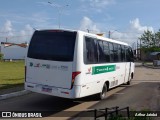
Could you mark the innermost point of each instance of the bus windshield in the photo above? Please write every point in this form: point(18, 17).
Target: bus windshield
point(52, 45)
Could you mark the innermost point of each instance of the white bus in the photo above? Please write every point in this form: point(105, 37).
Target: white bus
point(75, 64)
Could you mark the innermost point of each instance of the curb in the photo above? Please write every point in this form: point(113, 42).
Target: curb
point(138, 65)
point(14, 94)
point(150, 66)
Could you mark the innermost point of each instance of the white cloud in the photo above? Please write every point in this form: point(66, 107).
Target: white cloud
point(132, 34)
point(7, 32)
point(43, 3)
point(37, 20)
point(135, 25)
point(100, 3)
point(27, 32)
point(87, 23)
point(96, 5)
point(7, 28)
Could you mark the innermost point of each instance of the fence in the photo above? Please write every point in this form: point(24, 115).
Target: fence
point(111, 112)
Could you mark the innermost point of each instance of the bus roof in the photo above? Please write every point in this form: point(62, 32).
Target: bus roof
point(87, 34)
point(102, 38)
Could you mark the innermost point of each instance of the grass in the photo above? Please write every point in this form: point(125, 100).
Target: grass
point(149, 63)
point(11, 74)
point(133, 117)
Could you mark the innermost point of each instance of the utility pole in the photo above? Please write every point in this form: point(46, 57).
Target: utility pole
point(109, 34)
point(137, 55)
point(140, 50)
point(60, 8)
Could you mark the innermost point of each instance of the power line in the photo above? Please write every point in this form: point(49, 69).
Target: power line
point(15, 31)
point(126, 38)
point(15, 36)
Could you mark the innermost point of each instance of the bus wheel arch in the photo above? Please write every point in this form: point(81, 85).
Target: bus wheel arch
point(132, 75)
point(103, 92)
point(130, 78)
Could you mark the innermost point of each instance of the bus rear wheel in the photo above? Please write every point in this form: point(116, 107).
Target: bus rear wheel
point(103, 94)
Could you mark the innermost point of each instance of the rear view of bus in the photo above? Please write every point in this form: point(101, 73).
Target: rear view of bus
point(49, 63)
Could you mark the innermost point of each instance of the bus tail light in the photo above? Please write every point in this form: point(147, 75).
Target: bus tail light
point(74, 74)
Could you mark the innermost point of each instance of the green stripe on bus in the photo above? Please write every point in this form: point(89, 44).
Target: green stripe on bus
point(103, 69)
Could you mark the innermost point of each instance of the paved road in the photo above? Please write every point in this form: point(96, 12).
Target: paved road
point(143, 93)
point(139, 97)
point(143, 74)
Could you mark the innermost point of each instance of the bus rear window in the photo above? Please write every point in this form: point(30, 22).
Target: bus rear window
point(52, 45)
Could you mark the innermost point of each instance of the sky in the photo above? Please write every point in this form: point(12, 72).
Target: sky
point(125, 19)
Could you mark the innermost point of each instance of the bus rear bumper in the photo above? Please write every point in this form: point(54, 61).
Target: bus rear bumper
point(54, 91)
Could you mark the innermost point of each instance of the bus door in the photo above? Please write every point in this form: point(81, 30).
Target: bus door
point(129, 59)
point(127, 71)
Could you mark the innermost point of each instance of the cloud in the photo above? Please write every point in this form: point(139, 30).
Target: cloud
point(96, 5)
point(28, 29)
point(37, 20)
point(7, 28)
point(7, 32)
point(87, 23)
point(27, 32)
point(100, 3)
point(135, 25)
point(132, 34)
point(43, 3)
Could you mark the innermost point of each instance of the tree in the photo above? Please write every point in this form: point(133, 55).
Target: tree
point(147, 39)
point(1, 56)
point(150, 42)
point(157, 38)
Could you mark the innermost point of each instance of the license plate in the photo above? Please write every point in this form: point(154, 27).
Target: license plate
point(47, 89)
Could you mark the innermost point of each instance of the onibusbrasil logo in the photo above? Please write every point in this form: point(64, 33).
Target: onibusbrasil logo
point(21, 115)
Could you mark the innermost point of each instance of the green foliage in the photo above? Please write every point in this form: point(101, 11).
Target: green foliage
point(151, 49)
point(150, 40)
point(1, 56)
point(157, 38)
point(147, 39)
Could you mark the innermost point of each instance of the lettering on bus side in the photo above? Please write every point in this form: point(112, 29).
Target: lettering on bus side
point(47, 66)
point(103, 69)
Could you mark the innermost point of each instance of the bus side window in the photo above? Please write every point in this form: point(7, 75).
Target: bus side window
point(115, 52)
point(100, 50)
point(111, 52)
point(129, 54)
point(119, 53)
point(106, 51)
point(123, 57)
point(90, 53)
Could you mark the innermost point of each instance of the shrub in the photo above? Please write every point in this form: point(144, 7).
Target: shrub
point(1, 56)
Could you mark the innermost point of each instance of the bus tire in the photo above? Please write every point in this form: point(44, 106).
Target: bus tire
point(129, 81)
point(103, 93)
